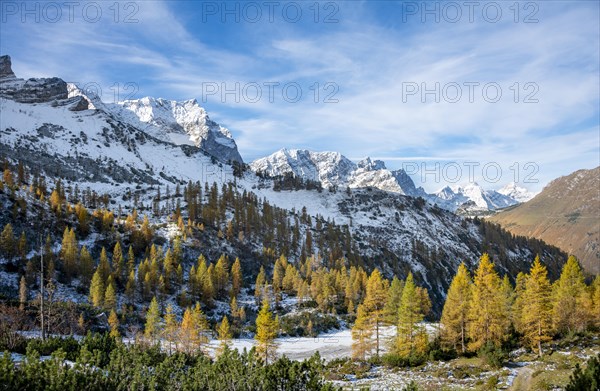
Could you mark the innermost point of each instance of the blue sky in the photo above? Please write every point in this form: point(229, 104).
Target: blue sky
point(369, 61)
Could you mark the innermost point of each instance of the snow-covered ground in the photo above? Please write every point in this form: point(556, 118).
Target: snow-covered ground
point(331, 345)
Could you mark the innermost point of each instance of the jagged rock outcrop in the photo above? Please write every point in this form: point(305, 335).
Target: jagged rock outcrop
point(6, 67)
point(35, 90)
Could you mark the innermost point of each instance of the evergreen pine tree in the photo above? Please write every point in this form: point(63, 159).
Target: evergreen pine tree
point(7, 242)
point(392, 303)
point(86, 266)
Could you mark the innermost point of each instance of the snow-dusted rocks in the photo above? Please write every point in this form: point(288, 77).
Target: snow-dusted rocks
point(6, 67)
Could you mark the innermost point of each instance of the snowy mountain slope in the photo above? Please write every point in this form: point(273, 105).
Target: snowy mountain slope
point(53, 129)
point(333, 169)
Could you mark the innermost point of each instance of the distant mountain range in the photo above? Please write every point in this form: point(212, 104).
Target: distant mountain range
point(334, 169)
point(566, 214)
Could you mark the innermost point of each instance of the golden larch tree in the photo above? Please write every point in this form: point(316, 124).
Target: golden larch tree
point(487, 316)
point(455, 315)
point(571, 303)
point(266, 332)
point(374, 303)
point(536, 316)
point(362, 334)
point(411, 337)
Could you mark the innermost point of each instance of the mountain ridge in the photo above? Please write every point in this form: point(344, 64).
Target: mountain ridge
point(565, 213)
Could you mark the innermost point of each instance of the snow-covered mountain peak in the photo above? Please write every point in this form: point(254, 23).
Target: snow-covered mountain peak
point(516, 192)
point(329, 168)
point(179, 122)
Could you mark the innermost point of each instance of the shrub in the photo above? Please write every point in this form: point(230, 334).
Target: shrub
point(338, 369)
point(492, 355)
point(588, 379)
point(396, 360)
point(69, 346)
point(439, 353)
point(412, 386)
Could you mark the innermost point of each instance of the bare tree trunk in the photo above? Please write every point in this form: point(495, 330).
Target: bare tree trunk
point(462, 336)
point(539, 339)
point(377, 335)
point(42, 290)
